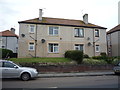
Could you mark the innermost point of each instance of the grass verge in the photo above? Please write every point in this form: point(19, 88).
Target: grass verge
point(41, 60)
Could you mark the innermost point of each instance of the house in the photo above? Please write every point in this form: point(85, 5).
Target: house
point(51, 37)
point(9, 40)
point(113, 41)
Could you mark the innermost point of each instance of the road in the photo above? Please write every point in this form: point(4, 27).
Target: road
point(65, 82)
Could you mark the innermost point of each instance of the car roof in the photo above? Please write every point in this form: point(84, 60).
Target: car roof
point(4, 60)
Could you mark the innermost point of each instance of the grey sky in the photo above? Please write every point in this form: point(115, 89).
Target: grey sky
point(101, 12)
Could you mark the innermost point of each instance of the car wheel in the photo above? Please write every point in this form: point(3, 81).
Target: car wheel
point(25, 76)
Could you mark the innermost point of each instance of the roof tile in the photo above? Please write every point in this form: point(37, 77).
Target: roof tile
point(59, 21)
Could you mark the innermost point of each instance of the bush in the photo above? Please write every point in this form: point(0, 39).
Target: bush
point(85, 56)
point(5, 53)
point(103, 54)
point(94, 62)
point(97, 57)
point(74, 55)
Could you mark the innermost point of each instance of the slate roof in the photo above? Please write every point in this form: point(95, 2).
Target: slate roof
point(116, 28)
point(8, 33)
point(61, 22)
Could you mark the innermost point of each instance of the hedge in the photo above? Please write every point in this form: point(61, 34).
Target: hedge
point(5, 53)
point(76, 55)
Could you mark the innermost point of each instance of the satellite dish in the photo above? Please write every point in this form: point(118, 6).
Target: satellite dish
point(88, 38)
point(89, 44)
point(43, 40)
point(23, 35)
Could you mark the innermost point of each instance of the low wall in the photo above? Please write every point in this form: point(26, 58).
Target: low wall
point(70, 68)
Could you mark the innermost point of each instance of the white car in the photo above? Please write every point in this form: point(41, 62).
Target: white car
point(8, 69)
point(117, 69)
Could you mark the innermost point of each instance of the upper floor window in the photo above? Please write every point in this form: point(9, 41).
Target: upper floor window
point(79, 32)
point(96, 33)
point(32, 29)
point(79, 47)
point(53, 47)
point(97, 48)
point(31, 46)
point(53, 31)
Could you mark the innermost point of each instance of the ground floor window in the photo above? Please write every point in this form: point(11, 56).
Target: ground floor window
point(31, 46)
point(53, 48)
point(97, 48)
point(79, 47)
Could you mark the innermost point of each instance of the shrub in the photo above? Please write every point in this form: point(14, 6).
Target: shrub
point(94, 62)
point(68, 54)
point(85, 56)
point(5, 53)
point(74, 55)
point(103, 54)
point(97, 57)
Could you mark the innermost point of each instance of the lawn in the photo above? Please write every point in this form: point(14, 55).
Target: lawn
point(41, 60)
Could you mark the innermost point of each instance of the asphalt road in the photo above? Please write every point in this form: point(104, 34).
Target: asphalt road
point(65, 82)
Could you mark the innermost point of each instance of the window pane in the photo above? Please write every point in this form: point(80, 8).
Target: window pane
point(50, 47)
point(96, 33)
point(31, 46)
point(81, 34)
point(55, 32)
point(79, 47)
point(50, 30)
point(10, 65)
point(32, 28)
point(53, 48)
point(56, 49)
point(76, 32)
point(97, 48)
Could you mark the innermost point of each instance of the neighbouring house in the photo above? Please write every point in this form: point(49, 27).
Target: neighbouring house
point(113, 41)
point(51, 37)
point(9, 40)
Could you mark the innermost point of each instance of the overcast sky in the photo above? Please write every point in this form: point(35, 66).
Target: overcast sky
point(100, 12)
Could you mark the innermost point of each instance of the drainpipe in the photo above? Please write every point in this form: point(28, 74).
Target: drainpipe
point(36, 42)
point(93, 43)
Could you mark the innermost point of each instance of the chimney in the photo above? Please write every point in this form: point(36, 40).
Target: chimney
point(40, 14)
point(85, 18)
point(12, 30)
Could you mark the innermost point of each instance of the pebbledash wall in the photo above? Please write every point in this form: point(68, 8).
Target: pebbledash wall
point(65, 40)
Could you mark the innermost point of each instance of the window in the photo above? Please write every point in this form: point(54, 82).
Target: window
point(53, 48)
point(96, 33)
point(79, 47)
point(7, 64)
point(97, 48)
point(79, 32)
point(31, 46)
point(32, 28)
point(53, 31)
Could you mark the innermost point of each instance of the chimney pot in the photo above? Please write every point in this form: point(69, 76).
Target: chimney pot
point(85, 18)
point(13, 30)
point(40, 14)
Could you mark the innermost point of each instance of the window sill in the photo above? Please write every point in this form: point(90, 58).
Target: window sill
point(31, 50)
point(53, 53)
point(78, 37)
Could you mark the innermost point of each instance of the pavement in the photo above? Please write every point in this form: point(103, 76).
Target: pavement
point(75, 74)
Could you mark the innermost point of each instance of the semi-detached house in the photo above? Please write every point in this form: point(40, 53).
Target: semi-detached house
point(51, 37)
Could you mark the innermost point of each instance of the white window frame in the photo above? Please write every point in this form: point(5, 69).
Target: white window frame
point(77, 32)
point(97, 46)
point(53, 30)
point(31, 46)
point(97, 33)
point(79, 45)
point(32, 29)
point(53, 51)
